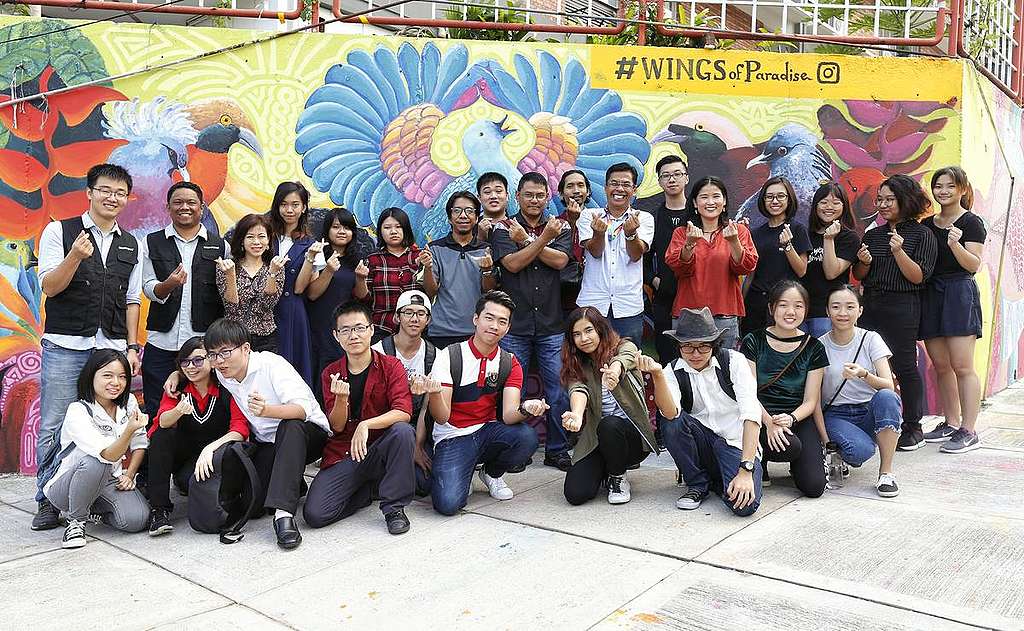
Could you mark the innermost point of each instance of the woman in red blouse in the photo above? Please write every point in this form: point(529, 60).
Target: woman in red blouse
point(709, 255)
point(389, 271)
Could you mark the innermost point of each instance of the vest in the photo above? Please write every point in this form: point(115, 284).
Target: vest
point(207, 304)
point(95, 297)
point(724, 380)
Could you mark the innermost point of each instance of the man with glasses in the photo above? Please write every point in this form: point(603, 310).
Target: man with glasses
point(714, 440)
point(90, 272)
point(179, 268)
point(668, 215)
point(531, 275)
point(417, 356)
point(456, 270)
point(369, 406)
point(615, 239)
point(288, 428)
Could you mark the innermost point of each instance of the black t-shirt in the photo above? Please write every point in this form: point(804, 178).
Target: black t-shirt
point(772, 265)
point(973, 232)
point(847, 243)
point(356, 386)
point(787, 393)
point(665, 223)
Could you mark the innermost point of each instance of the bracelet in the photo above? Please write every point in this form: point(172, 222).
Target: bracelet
point(792, 416)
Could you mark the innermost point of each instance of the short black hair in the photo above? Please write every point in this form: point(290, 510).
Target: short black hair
point(402, 218)
point(621, 167)
point(496, 296)
point(847, 287)
point(532, 178)
point(224, 332)
point(242, 228)
point(190, 346)
point(473, 199)
point(670, 159)
point(691, 200)
point(911, 198)
point(565, 176)
point(352, 306)
point(109, 171)
point(192, 186)
point(791, 200)
point(100, 358)
point(489, 177)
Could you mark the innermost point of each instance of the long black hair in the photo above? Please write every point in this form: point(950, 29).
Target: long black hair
point(284, 189)
point(402, 218)
point(100, 358)
point(351, 256)
point(846, 219)
point(190, 346)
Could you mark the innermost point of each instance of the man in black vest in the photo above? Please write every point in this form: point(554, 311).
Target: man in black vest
point(178, 276)
point(91, 274)
point(714, 439)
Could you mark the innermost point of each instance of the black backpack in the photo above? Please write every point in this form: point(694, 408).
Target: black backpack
point(388, 344)
point(724, 380)
point(207, 501)
point(504, 370)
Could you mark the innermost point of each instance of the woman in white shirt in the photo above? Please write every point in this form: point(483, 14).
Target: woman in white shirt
point(859, 404)
point(99, 429)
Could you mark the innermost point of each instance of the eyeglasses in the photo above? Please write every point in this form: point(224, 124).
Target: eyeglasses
point(772, 197)
point(458, 210)
point(195, 362)
point(109, 192)
point(219, 356)
point(885, 201)
point(690, 349)
point(620, 184)
point(182, 203)
point(347, 331)
point(534, 197)
point(414, 314)
point(675, 175)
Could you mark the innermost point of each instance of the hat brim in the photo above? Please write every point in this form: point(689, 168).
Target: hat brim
point(707, 338)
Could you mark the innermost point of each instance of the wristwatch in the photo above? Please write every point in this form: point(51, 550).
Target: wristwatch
point(523, 411)
point(135, 347)
point(747, 465)
point(631, 237)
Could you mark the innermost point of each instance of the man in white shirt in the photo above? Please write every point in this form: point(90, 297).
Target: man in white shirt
point(714, 439)
point(289, 429)
point(614, 241)
point(90, 271)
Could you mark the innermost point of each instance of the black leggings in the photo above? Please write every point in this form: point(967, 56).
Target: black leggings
point(619, 446)
point(896, 316)
point(169, 454)
point(804, 455)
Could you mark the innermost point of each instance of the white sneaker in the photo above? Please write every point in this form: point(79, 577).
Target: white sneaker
point(618, 489)
point(690, 500)
point(496, 487)
point(74, 534)
point(886, 485)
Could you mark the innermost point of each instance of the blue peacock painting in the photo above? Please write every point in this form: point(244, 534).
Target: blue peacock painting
point(372, 136)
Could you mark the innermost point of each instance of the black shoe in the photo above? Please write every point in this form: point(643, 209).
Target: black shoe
point(520, 468)
point(159, 522)
point(911, 438)
point(397, 522)
point(561, 461)
point(47, 517)
point(288, 535)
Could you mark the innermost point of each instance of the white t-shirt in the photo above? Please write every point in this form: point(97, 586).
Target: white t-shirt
point(415, 365)
point(855, 391)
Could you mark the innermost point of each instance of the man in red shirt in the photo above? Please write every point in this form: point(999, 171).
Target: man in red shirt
point(368, 403)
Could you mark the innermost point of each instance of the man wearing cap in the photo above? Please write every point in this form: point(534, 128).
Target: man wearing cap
point(456, 270)
point(417, 355)
point(714, 439)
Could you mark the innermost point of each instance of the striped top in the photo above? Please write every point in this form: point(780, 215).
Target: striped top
point(884, 274)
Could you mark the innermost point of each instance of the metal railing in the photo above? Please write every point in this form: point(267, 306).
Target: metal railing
point(991, 34)
point(215, 8)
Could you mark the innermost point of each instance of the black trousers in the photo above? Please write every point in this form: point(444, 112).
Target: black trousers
point(619, 447)
point(346, 486)
point(264, 342)
point(279, 464)
point(896, 316)
point(755, 306)
point(804, 455)
point(157, 365)
point(168, 455)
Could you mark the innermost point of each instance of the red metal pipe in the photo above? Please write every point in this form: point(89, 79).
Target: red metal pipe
point(107, 5)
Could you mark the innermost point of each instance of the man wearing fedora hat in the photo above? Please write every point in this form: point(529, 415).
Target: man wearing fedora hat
point(714, 439)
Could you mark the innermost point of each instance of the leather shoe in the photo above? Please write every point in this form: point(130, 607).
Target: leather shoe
point(397, 522)
point(288, 535)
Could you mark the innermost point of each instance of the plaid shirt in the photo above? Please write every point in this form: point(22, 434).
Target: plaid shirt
point(389, 276)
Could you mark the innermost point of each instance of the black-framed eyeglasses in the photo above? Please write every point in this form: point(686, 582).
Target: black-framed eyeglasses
point(696, 348)
point(414, 314)
point(215, 356)
point(347, 331)
point(194, 362)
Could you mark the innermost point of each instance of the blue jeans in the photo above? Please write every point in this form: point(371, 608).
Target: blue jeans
point(497, 446)
point(853, 426)
point(631, 327)
point(817, 326)
point(548, 349)
point(58, 377)
point(706, 461)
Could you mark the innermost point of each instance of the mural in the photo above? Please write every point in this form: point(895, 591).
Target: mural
point(369, 123)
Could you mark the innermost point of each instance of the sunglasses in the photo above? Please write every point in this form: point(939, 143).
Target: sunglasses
point(194, 362)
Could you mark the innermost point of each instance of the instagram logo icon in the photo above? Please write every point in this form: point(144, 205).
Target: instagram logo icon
point(828, 72)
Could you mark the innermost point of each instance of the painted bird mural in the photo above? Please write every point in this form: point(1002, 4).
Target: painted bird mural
point(371, 135)
point(168, 142)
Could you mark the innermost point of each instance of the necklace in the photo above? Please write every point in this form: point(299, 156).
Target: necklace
point(784, 339)
point(205, 416)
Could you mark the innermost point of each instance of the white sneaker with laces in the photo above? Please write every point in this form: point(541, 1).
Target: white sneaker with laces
point(496, 487)
point(618, 489)
point(74, 534)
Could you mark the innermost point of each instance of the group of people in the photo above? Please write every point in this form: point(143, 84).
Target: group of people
point(402, 369)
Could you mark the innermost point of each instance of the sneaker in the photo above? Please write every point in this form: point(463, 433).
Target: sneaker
point(940, 434)
point(846, 470)
point(496, 487)
point(397, 522)
point(690, 500)
point(74, 535)
point(886, 485)
point(911, 438)
point(618, 489)
point(519, 468)
point(961, 442)
point(561, 461)
point(159, 522)
point(47, 516)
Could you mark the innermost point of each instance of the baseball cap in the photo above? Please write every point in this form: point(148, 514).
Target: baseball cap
point(413, 297)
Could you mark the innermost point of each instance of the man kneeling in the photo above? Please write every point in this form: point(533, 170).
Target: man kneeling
point(714, 439)
point(369, 405)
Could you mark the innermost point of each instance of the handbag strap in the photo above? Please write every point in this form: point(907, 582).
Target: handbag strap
point(843, 383)
point(799, 350)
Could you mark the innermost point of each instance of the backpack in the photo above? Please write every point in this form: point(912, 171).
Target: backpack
point(724, 380)
point(504, 370)
point(206, 501)
point(388, 344)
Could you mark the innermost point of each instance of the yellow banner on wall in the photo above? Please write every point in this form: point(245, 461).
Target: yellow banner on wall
point(753, 73)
